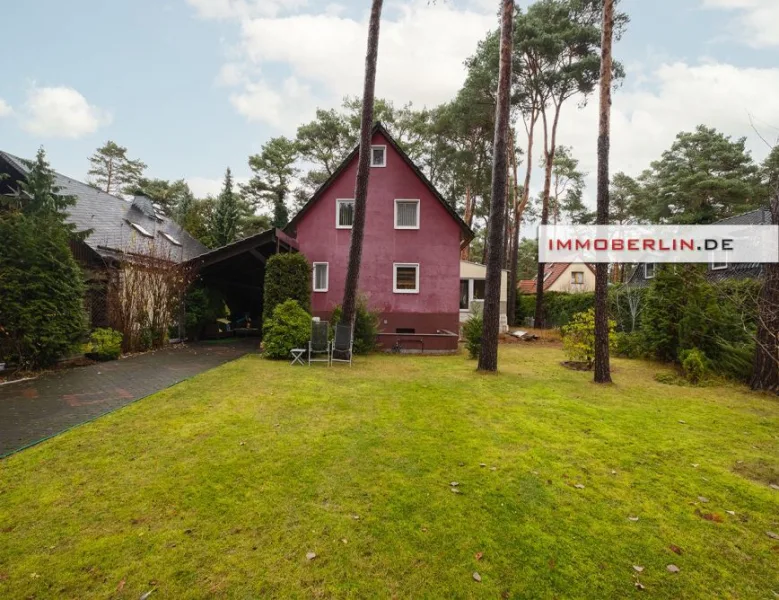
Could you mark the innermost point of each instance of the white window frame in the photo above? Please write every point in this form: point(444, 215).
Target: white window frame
point(338, 202)
point(384, 147)
point(719, 266)
point(654, 268)
point(395, 278)
point(327, 277)
point(396, 212)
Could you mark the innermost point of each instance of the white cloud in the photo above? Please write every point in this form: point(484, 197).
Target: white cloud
point(279, 106)
point(61, 112)
point(756, 23)
point(421, 52)
point(204, 186)
point(675, 97)
point(231, 9)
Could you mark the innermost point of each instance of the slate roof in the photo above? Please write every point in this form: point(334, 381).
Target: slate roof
point(110, 220)
point(467, 232)
point(761, 216)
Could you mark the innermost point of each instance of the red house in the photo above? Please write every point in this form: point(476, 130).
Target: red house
point(410, 271)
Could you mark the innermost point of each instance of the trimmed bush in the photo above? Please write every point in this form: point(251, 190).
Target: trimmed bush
point(693, 364)
point(366, 327)
point(105, 344)
point(287, 277)
point(579, 337)
point(472, 332)
point(42, 313)
point(288, 328)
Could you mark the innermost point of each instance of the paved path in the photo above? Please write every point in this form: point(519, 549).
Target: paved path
point(33, 410)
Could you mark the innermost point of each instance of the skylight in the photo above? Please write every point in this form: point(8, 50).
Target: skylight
point(171, 239)
point(140, 229)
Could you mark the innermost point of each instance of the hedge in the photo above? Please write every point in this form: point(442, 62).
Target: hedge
point(287, 277)
point(559, 307)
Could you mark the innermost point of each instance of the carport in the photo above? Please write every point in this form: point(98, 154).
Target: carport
point(237, 270)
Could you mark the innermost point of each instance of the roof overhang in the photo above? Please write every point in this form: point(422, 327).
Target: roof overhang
point(272, 241)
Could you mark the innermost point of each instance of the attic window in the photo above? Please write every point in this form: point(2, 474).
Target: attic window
point(171, 239)
point(140, 229)
point(378, 156)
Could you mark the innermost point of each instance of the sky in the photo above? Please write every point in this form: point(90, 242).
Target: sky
point(194, 86)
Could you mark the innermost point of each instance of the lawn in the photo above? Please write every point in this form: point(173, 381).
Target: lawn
point(220, 487)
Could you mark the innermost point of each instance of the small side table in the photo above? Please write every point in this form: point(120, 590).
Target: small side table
point(297, 356)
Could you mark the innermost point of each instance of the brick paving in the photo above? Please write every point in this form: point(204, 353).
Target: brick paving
point(36, 409)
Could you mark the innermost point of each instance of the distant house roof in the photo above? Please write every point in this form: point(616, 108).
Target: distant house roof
point(552, 272)
point(116, 225)
point(467, 233)
point(761, 216)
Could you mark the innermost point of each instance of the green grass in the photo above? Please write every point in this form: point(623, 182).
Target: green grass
point(218, 487)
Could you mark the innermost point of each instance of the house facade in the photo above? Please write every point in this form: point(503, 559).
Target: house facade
point(644, 273)
point(410, 269)
point(572, 278)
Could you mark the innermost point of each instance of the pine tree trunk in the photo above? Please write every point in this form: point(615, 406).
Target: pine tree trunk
point(363, 168)
point(465, 253)
point(520, 209)
point(488, 358)
point(765, 375)
point(602, 367)
point(549, 153)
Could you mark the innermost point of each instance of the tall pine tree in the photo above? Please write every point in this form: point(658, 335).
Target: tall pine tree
point(227, 212)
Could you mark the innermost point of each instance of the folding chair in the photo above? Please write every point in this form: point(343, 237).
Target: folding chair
point(319, 342)
point(342, 344)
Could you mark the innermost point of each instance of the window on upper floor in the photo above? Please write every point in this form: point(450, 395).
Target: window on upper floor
point(406, 214)
point(577, 278)
point(321, 276)
point(649, 270)
point(718, 266)
point(405, 278)
point(344, 213)
point(378, 156)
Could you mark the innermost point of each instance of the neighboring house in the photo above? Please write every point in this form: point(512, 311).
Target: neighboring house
point(472, 287)
point(643, 274)
point(410, 270)
point(562, 277)
point(118, 229)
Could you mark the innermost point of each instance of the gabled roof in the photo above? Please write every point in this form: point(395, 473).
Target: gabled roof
point(467, 233)
point(552, 272)
point(110, 219)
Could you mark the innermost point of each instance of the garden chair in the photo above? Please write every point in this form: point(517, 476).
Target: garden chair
point(342, 344)
point(319, 342)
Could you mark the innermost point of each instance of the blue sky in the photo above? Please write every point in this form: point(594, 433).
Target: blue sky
point(192, 86)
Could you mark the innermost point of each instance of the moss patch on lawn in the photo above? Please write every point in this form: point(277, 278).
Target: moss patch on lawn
point(220, 486)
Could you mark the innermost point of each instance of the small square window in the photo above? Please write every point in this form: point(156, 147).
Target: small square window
point(577, 278)
point(406, 278)
point(321, 276)
point(378, 156)
point(649, 270)
point(344, 213)
point(406, 214)
point(718, 266)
